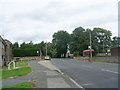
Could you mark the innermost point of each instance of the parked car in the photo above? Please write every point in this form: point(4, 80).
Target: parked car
point(47, 58)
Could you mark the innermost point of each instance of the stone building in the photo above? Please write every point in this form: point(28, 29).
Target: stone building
point(5, 52)
point(2, 51)
point(8, 51)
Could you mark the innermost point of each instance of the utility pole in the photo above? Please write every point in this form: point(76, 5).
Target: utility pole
point(103, 47)
point(40, 54)
point(90, 47)
point(46, 48)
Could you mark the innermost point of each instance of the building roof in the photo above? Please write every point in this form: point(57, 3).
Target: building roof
point(2, 40)
point(7, 41)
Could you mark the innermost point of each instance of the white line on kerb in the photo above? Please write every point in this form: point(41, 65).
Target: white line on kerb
point(75, 83)
point(71, 79)
point(109, 71)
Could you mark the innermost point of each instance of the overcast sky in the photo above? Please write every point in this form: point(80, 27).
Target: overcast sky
point(37, 20)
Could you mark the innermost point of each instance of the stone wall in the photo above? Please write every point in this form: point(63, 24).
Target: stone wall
point(108, 59)
point(29, 58)
point(115, 51)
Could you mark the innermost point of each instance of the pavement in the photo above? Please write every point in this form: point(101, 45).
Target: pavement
point(44, 75)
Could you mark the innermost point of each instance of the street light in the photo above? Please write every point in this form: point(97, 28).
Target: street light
point(38, 53)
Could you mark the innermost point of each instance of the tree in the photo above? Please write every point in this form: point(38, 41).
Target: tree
point(79, 41)
point(60, 41)
point(25, 49)
point(23, 45)
point(115, 42)
point(15, 45)
point(53, 52)
point(42, 47)
point(103, 38)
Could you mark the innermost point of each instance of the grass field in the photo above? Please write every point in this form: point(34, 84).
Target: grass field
point(19, 86)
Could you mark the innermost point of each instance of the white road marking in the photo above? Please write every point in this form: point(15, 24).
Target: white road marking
point(109, 71)
point(88, 84)
point(75, 83)
point(71, 79)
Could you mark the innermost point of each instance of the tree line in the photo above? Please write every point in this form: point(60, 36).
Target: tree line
point(79, 40)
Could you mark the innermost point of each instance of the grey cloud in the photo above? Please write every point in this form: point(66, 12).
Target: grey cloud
point(56, 11)
point(26, 38)
point(46, 14)
point(54, 16)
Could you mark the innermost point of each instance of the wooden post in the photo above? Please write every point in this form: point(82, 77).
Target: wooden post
point(88, 56)
point(83, 55)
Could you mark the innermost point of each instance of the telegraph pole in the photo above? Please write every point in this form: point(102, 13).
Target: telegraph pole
point(90, 47)
point(40, 54)
point(46, 48)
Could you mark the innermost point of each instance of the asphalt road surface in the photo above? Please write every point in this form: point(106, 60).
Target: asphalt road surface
point(89, 75)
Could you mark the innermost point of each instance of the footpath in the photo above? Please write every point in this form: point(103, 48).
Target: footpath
point(44, 75)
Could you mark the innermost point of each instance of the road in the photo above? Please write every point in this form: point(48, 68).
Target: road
point(89, 75)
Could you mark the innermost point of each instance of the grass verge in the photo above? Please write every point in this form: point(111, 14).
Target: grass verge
point(18, 86)
point(21, 70)
point(16, 72)
point(22, 63)
point(19, 63)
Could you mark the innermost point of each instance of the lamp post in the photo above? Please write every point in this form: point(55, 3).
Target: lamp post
point(38, 53)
